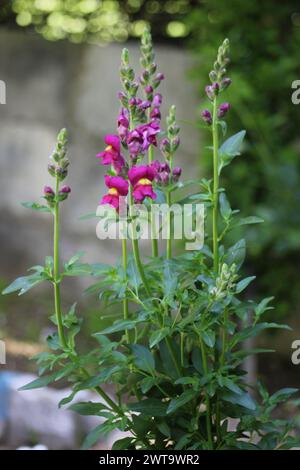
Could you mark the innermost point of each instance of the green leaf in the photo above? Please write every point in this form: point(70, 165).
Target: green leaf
point(78, 269)
point(36, 207)
point(254, 330)
point(241, 285)
point(230, 149)
point(283, 394)
point(243, 400)
point(230, 385)
point(105, 375)
point(225, 208)
point(87, 408)
point(158, 336)
point(176, 403)
point(147, 383)
point(249, 220)
point(143, 358)
point(122, 444)
point(47, 379)
point(149, 407)
point(24, 283)
point(119, 325)
point(74, 258)
point(263, 307)
point(133, 275)
point(209, 338)
point(236, 253)
point(95, 434)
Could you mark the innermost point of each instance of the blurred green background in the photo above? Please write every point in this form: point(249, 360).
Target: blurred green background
point(265, 44)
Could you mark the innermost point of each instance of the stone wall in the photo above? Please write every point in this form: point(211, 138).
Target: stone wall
point(54, 85)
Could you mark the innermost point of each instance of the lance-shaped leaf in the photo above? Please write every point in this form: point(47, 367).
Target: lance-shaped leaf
point(230, 149)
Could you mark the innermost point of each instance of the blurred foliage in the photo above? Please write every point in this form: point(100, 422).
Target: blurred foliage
point(100, 20)
point(265, 43)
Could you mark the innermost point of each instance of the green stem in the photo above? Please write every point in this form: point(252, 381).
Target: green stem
point(125, 301)
point(56, 273)
point(215, 186)
point(136, 251)
point(208, 408)
point(169, 222)
point(154, 240)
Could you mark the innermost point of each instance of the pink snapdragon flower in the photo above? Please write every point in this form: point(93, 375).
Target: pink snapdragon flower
point(112, 153)
point(117, 186)
point(141, 178)
point(140, 138)
point(123, 124)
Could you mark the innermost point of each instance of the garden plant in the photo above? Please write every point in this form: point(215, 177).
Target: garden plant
point(175, 355)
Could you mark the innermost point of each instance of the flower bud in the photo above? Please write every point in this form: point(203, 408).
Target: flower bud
point(215, 87)
point(176, 173)
point(175, 143)
point(65, 189)
point(63, 193)
point(145, 104)
point(153, 68)
point(164, 178)
point(213, 76)
point(165, 147)
point(125, 56)
point(132, 101)
point(160, 76)
point(157, 100)
point(148, 89)
point(206, 116)
point(225, 83)
point(223, 109)
point(48, 192)
point(51, 169)
point(155, 113)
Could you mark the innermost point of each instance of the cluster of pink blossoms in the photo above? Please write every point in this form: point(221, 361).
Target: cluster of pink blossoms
point(138, 127)
point(140, 177)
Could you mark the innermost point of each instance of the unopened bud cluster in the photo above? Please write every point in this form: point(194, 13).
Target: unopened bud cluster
point(225, 282)
point(58, 169)
point(219, 83)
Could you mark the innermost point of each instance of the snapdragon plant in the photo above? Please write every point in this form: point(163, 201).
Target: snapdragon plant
point(175, 355)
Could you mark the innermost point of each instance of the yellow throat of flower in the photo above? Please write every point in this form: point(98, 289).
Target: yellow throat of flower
point(113, 192)
point(145, 182)
point(109, 147)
